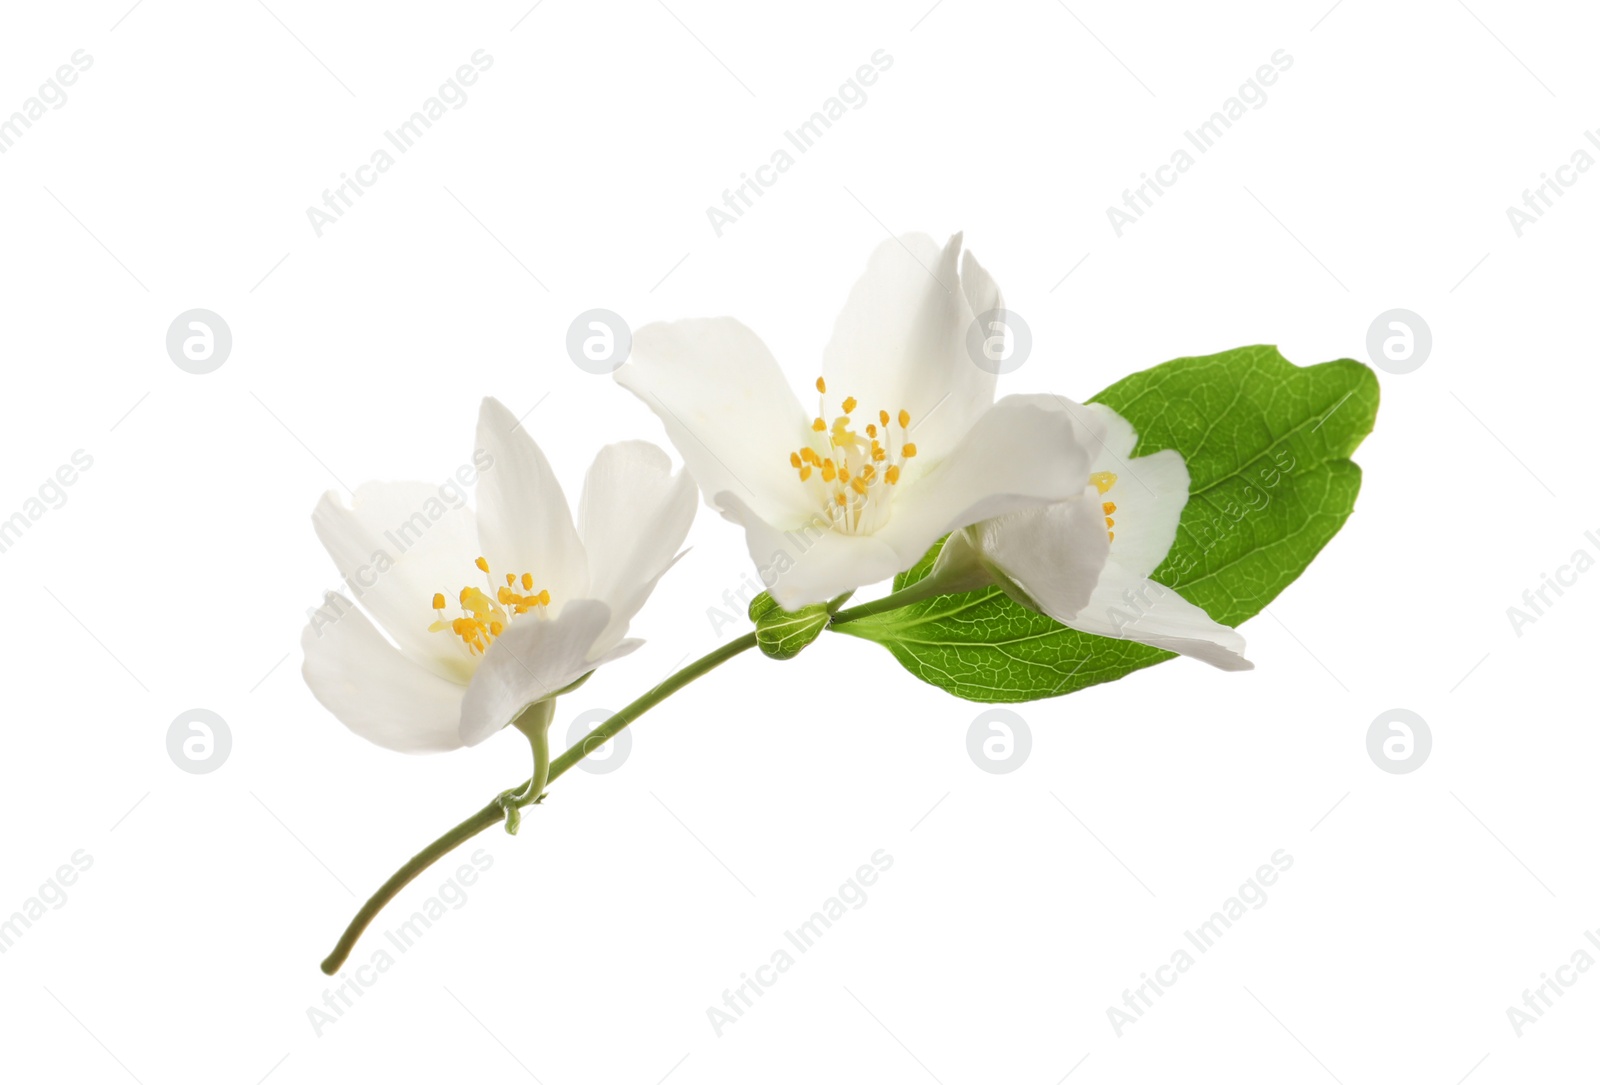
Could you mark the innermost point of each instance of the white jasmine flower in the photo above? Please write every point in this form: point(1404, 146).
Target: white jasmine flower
point(1086, 561)
point(482, 614)
point(906, 443)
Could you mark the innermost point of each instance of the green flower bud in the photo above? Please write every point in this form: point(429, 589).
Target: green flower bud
point(760, 605)
point(783, 634)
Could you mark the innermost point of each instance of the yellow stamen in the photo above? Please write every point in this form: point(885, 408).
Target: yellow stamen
point(484, 619)
point(1103, 481)
point(858, 464)
point(822, 386)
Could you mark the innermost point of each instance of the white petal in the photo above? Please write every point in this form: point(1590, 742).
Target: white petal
point(811, 563)
point(1022, 453)
point(1115, 436)
point(1132, 608)
point(373, 688)
point(901, 339)
point(1048, 559)
point(532, 660)
point(1149, 497)
point(1093, 424)
point(396, 545)
point(982, 292)
point(727, 408)
point(960, 566)
point(524, 524)
point(633, 518)
point(1149, 494)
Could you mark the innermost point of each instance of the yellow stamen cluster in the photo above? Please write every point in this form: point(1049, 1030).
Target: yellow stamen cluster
point(482, 618)
point(853, 469)
point(1103, 481)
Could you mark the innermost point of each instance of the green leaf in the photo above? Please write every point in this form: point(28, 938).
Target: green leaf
point(1267, 444)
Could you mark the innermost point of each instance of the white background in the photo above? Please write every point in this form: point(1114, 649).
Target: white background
point(1019, 907)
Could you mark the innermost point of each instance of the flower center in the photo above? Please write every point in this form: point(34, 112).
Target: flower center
point(482, 618)
point(852, 472)
point(1103, 481)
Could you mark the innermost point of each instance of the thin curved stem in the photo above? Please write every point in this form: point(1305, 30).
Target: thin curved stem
point(534, 722)
point(495, 811)
point(925, 588)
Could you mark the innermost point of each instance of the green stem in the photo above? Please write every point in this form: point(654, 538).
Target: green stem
point(495, 812)
point(912, 593)
point(534, 722)
point(541, 768)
